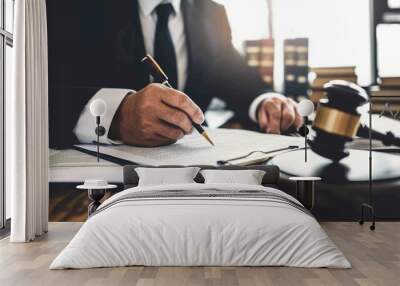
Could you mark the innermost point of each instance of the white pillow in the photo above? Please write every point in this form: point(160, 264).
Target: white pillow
point(248, 177)
point(166, 176)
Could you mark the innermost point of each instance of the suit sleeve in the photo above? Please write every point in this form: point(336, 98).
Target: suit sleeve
point(234, 81)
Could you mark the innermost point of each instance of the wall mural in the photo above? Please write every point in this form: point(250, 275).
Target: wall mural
point(109, 107)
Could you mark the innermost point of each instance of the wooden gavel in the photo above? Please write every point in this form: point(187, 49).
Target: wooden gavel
point(337, 121)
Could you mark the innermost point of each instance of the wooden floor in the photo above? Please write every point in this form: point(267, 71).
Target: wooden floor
point(375, 257)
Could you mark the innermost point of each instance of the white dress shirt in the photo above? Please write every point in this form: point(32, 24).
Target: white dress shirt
point(148, 19)
point(84, 128)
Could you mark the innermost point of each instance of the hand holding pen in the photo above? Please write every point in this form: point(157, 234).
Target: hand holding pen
point(159, 75)
point(155, 116)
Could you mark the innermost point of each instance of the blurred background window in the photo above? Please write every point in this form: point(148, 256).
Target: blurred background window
point(394, 4)
point(248, 20)
point(388, 50)
point(339, 31)
point(6, 63)
point(9, 15)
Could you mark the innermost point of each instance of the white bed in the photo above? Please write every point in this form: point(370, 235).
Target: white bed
point(203, 225)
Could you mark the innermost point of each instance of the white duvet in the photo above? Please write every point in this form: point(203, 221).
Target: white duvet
point(207, 230)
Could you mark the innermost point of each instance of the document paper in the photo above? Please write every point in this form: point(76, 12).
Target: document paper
point(194, 150)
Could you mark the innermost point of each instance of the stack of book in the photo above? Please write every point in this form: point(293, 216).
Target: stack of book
point(260, 55)
point(386, 96)
point(323, 75)
point(296, 67)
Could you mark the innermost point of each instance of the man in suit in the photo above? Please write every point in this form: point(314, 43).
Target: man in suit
point(95, 52)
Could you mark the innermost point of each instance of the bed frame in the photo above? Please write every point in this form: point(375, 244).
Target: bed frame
point(270, 179)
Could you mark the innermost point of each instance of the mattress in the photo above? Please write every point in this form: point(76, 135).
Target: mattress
point(201, 225)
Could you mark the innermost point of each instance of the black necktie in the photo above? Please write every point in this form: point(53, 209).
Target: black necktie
point(164, 51)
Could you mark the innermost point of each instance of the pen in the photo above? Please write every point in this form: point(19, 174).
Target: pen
point(158, 74)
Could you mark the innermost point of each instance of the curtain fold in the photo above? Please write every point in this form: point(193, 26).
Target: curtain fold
point(29, 123)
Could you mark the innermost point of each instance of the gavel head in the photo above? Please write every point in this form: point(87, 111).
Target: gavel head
point(337, 119)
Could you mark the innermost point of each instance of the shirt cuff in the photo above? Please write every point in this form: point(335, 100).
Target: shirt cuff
point(85, 127)
point(258, 100)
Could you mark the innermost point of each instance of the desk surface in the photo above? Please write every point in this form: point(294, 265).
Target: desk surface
point(72, 166)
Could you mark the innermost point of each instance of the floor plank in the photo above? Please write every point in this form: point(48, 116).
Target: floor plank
point(375, 257)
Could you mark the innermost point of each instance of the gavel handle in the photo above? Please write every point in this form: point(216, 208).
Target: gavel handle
point(388, 139)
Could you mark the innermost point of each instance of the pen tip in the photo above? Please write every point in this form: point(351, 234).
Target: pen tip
point(208, 138)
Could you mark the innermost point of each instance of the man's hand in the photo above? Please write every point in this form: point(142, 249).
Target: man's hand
point(156, 115)
point(277, 114)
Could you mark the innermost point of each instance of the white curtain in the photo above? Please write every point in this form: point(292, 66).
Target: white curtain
point(28, 118)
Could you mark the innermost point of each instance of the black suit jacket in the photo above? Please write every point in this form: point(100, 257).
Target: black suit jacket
point(99, 43)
